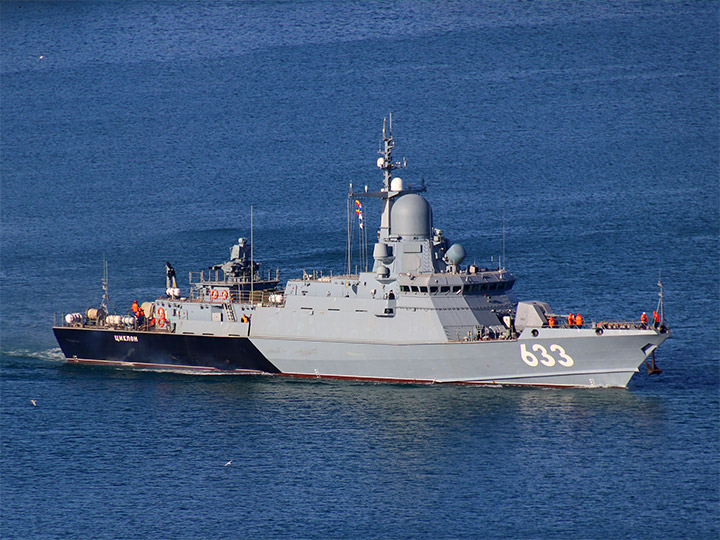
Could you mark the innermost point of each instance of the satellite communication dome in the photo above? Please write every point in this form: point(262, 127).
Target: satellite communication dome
point(411, 215)
point(456, 254)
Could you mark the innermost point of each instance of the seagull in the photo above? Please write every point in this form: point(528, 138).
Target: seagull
point(33, 402)
point(228, 463)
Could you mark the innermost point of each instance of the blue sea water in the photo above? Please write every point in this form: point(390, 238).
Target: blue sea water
point(143, 132)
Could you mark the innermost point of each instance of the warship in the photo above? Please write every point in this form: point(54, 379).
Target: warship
point(417, 316)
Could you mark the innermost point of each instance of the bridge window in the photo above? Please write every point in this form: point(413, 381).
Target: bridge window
point(444, 288)
point(433, 290)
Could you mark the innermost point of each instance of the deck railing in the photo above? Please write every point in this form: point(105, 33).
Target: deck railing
point(219, 276)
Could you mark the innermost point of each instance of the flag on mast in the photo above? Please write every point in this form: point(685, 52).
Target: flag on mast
point(359, 212)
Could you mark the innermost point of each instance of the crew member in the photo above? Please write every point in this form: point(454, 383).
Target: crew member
point(571, 320)
point(578, 320)
point(656, 319)
point(643, 319)
point(135, 308)
point(551, 322)
point(244, 319)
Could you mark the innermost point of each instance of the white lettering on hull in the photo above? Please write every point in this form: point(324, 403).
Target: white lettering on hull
point(548, 360)
point(125, 338)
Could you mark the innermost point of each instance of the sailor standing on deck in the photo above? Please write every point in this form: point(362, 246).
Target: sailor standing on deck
point(571, 320)
point(643, 319)
point(139, 315)
point(578, 320)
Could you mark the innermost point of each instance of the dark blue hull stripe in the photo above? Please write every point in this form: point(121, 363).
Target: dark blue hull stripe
point(162, 349)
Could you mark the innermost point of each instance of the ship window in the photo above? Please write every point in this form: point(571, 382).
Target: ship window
point(492, 286)
point(457, 288)
point(424, 290)
point(413, 288)
point(444, 288)
point(404, 288)
point(433, 290)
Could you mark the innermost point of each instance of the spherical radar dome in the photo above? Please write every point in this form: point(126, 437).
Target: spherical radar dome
point(411, 215)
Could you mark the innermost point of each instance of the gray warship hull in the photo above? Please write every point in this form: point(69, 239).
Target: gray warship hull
point(609, 360)
point(554, 357)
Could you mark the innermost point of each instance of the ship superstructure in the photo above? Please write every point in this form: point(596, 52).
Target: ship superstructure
point(418, 316)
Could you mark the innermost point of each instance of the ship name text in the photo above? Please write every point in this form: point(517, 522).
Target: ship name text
point(125, 338)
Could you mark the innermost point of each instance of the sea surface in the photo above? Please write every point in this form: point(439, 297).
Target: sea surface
point(580, 139)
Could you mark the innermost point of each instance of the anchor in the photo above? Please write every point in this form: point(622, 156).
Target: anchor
point(652, 366)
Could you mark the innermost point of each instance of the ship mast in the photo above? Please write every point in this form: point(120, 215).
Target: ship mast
point(386, 164)
point(105, 303)
point(388, 191)
point(661, 304)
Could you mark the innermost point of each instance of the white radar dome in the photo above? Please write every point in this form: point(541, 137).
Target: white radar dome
point(396, 184)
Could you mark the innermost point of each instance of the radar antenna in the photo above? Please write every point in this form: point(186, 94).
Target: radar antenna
point(388, 191)
point(385, 162)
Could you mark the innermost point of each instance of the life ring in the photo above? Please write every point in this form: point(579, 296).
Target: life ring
point(224, 295)
point(599, 331)
point(213, 294)
point(161, 323)
point(160, 312)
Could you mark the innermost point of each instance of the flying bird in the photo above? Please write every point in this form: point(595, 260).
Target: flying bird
point(228, 463)
point(33, 402)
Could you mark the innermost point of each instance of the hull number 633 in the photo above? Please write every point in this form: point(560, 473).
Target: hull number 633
point(557, 355)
